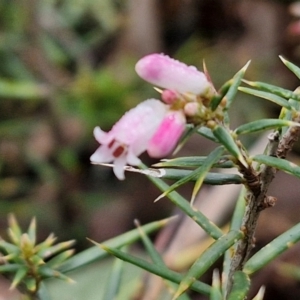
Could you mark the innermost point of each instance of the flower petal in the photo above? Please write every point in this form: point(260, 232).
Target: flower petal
point(167, 135)
point(102, 155)
point(118, 168)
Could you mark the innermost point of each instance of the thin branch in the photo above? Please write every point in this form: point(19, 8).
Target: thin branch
point(256, 196)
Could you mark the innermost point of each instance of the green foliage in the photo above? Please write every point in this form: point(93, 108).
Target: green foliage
point(52, 78)
point(27, 262)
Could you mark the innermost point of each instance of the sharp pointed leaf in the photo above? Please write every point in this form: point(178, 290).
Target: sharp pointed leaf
point(236, 223)
point(47, 272)
point(284, 93)
point(272, 250)
point(215, 292)
point(268, 96)
point(207, 258)
point(278, 163)
point(230, 95)
point(241, 285)
point(114, 280)
point(215, 101)
point(193, 162)
point(153, 253)
point(295, 69)
point(6, 268)
point(19, 276)
point(161, 271)
point(212, 158)
point(210, 178)
point(207, 133)
point(60, 258)
point(226, 139)
point(208, 226)
point(32, 231)
point(14, 226)
point(197, 174)
point(94, 253)
point(264, 124)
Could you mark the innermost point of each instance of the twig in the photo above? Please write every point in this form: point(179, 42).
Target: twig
point(256, 196)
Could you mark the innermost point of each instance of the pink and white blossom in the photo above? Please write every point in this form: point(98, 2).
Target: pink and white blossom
point(167, 135)
point(130, 136)
point(168, 73)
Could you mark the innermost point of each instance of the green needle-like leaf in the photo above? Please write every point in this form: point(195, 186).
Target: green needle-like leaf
point(215, 292)
point(215, 100)
point(226, 139)
point(161, 271)
point(47, 272)
point(30, 283)
point(32, 231)
point(264, 124)
point(192, 162)
point(207, 258)
point(56, 248)
point(209, 227)
point(287, 94)
point(278, 163)
point(19, 276)
point(114, 280)
point(7, 268)
point(210, 178)
point(8, 247)
point(14, 226)
point(43, 292)
point(60, 258)
point(295, 69)
point(207, 133)
point(230, 95)
point(211, 159)
point(235, 224)
point(49, 241)
point(240, 288)
point(154, 254)
point(190, 130)
point(272, 250)
point(268, 96)
point(94, 253)
point(198, 174)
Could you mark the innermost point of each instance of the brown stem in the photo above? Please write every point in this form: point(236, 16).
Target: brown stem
point(256, 197)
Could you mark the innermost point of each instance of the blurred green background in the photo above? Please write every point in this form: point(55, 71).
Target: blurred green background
point(67, 66)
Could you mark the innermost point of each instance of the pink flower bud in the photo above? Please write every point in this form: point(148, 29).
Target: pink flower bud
point(130, 136)
point(167, 134)
point(191, 109)
point(169, 96)
point(168, 73)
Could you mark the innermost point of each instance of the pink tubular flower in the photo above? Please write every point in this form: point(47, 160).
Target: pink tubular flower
point(167, 134)
point(130, 136)
point(168, 73)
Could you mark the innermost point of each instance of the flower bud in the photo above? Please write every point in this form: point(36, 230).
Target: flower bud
point(167, 135)
point(191, 109)
point(169, 96)
point(168, 73)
